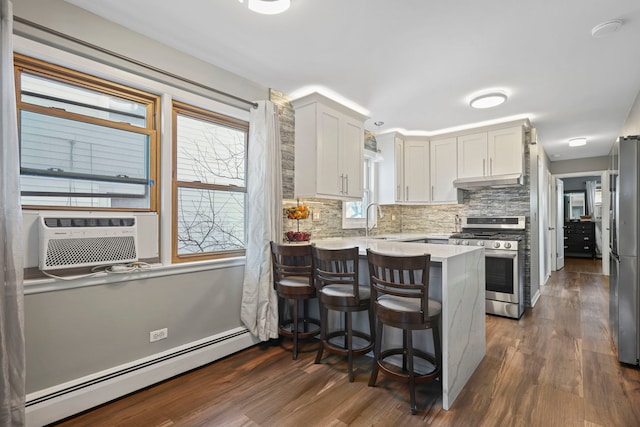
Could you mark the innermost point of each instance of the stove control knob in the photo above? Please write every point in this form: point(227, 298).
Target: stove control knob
point(480, 243)
point(455, 241)
point(507, 245)
point(496, 245)
point(465, 242)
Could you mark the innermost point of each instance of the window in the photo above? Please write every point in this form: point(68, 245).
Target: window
point(84, 142)
point(353, 213)
point(209, 184)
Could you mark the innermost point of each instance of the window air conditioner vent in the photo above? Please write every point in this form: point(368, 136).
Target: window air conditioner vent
point(69, 242)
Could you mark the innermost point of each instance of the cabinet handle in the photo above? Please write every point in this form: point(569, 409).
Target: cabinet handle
point(341, 183)
point(491, 166)
point(346, 177)
point(406, 194)
point(484, 169)
point(398, 193)
point(432, 193)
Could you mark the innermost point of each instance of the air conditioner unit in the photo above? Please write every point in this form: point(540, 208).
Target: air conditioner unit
point(81, 241)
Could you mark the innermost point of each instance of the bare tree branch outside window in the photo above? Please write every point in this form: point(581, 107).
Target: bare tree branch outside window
point(210, 219)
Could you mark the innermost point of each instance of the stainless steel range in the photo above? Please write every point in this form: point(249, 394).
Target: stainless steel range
point(503, 240)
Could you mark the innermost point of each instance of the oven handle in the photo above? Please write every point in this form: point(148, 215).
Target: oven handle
point(500, 254)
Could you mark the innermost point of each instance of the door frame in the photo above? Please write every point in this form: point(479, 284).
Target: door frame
point(604, 176)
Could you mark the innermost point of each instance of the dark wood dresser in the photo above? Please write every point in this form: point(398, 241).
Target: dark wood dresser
point(580, 239)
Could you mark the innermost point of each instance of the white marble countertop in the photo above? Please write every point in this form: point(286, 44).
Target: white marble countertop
point(439, 253)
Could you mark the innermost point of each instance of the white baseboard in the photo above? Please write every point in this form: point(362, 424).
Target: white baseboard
point(535, 298)
point(61, 401)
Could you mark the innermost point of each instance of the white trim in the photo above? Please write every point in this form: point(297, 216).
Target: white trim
point(535, 298)
point(37, 286)
point(97, 392)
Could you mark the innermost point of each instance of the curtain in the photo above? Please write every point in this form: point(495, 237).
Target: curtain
point(259, 311)
point(12, 356)
point(591, 206)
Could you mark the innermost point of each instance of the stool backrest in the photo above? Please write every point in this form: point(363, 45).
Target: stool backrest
point(336, 267)
point(291, 260)
point(402, 276)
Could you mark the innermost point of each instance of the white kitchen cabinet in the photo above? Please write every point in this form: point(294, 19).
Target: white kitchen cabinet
point(329, 149)
point(391, 169)
point(416, 171)
point(497, 152)
point(506, 151)
point(444, 170)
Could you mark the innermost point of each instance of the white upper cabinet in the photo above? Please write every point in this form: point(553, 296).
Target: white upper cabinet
point(329, 149)
point(506, 151)
point(472, 155)
point(497, 152)
point(391, 169)
point(416, 171)
point(444, 170)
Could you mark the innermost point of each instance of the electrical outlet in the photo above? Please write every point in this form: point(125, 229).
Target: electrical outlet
point(158, 335)
point(316, 216)
point(393, 217)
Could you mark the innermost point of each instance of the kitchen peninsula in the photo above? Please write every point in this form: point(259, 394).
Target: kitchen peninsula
point(456, 280)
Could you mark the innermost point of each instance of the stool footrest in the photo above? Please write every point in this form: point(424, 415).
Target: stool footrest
point(402, 375)
point(333, 348)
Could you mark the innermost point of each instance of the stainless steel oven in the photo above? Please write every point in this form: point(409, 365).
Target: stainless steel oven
point(503, 240)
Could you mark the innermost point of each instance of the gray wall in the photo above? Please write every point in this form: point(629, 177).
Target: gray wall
point(75, 332)
point(578, 183)
point(590, 164)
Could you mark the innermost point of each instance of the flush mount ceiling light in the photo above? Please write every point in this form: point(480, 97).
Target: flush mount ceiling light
point(268, 7)
point(576, 142)
point(488, 100)
point(606, 28)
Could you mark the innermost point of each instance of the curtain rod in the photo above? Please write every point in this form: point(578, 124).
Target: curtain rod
point(131, 60)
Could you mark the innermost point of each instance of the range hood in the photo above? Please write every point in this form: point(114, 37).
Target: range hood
point(495, 181)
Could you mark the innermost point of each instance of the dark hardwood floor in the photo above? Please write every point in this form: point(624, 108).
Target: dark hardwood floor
point(554, 367)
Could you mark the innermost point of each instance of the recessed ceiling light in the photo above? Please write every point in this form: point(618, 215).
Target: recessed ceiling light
point(268, 7)
point(488, 100)
point(606, 28)
point(576, 142)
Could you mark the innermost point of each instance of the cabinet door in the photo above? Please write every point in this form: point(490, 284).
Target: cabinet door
point(505, 151)
point(472, 155)
point(416, 171)
point(444, 169)
point(352, 158)
point(399, 172)
point(328, 180)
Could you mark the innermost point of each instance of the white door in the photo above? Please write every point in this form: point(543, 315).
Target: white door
point(553, 219)
point(560, 224)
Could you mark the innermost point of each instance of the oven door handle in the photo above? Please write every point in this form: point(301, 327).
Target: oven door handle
point(500, 254)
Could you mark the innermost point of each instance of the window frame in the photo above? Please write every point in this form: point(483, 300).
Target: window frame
point(192, 111)
point(49, 71)
point(370, 195)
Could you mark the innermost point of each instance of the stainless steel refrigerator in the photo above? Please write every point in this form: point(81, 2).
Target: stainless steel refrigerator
point(624, 295)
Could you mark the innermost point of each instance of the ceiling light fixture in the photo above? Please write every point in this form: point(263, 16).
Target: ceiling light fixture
point(606, 28)
point(488, 100)
point(268, 7)
point(577, 142)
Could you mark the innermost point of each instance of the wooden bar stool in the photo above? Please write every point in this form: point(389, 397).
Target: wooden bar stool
point(293, 281)
point(338, 288)
point(400, 295)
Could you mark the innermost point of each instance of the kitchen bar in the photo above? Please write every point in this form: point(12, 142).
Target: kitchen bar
point(457, 280)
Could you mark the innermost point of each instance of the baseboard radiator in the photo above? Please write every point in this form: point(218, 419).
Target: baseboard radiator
point(61, 401)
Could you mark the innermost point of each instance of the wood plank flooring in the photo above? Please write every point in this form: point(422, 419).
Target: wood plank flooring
point(554, 367)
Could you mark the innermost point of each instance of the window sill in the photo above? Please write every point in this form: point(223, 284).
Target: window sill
point(36, 286)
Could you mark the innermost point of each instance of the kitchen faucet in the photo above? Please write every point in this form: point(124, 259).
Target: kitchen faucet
point(366, 214)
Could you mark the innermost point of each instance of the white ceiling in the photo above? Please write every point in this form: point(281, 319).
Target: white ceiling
point(414, 64)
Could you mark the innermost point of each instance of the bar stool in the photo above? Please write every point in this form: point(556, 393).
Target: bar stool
point(338, 288)
point(399, 291)
point(293, 281)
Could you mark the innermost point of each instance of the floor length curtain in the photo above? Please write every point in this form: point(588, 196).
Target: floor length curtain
point(591, 207)
point(259, 311)
point(12, 356)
